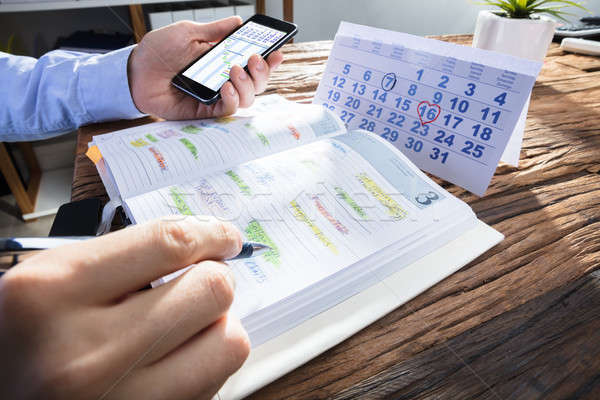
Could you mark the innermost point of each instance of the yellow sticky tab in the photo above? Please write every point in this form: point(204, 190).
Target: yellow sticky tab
point(94, 154)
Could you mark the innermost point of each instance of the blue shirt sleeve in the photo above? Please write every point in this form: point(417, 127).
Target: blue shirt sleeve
point(61, 91)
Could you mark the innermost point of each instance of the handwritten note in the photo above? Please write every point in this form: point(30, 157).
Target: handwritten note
point(321, 207)
point(451, 109)
point(151, 156)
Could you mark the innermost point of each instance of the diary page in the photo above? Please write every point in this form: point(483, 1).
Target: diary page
point(154, 155)
point(320, 207)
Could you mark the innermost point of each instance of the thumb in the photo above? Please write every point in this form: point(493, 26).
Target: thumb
point(214, 31)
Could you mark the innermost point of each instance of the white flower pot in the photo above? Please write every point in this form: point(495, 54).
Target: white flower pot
point(525, 38)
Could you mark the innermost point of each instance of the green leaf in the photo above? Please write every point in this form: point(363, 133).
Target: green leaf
point(565, 3)
point(554, 13)
point(524, 8)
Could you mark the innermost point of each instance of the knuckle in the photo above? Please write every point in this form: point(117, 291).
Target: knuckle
point(181, 29)
point(219, 285)
point(226, 235)
point(174, 240)
point(15, 293)
point(250, 100)
point(237, 344)
point(61, 380)
point(230, 107)
point(185, 25)
point(243, 102)
point(247, 96)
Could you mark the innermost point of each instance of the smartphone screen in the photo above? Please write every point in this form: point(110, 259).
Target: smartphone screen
point(260, 35)
point(212, 70)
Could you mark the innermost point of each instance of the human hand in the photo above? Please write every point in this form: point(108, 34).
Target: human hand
point(164, 52)
point(74, 326)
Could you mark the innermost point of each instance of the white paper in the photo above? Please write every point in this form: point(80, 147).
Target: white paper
point(376, 80)
point(512, 152)
point(326, 208)
point(155, 155)
point(314, 205)
point(297, 346)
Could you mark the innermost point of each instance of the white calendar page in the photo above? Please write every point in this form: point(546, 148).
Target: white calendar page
point(449, 108)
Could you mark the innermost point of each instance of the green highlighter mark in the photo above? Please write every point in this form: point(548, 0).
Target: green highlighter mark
point(350, 201)
point(192, 129)
point(244, 188)
point(180, 203)
point(260, 135)
point(190, 146)
point(255, 232)
point(151, 138)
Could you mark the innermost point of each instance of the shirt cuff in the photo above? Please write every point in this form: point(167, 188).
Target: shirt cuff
point(105, 86)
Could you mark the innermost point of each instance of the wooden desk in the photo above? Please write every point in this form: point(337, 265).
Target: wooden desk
point(521, 321)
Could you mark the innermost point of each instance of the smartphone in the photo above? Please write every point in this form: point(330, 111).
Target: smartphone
point(203, 78)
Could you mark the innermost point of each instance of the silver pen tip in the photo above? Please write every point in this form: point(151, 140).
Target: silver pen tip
point(259, 247)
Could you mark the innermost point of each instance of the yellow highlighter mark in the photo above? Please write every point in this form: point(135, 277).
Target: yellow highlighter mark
point(301, 216)
point(225, 120)
point(139, 143)
point(392, 206)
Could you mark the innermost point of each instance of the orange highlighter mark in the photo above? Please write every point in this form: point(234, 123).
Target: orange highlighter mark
point(94, 154)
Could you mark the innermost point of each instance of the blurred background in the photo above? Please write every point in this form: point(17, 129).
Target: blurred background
point(36, 25)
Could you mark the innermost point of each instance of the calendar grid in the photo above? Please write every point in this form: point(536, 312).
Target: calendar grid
point(424, 138)
point(243, 39)
point(450, 109)
point(450, 130)
point(408, 96)
point(425, 65)
point(412, 134)
point(437, 88)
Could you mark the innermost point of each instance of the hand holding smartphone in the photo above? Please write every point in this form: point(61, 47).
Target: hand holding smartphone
point(203, 78)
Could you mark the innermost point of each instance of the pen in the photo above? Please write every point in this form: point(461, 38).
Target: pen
point(251, 249)
point(12, 248)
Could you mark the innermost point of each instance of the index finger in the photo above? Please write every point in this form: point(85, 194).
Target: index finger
point(216, 30)
point(119, 263)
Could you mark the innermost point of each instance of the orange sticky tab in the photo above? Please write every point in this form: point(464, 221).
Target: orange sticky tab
point(94, 154)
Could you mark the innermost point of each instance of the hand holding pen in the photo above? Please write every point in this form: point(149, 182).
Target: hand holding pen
point(82, 320)
point(14, 249)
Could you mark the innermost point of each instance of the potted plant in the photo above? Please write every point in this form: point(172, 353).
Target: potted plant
point(519, 27)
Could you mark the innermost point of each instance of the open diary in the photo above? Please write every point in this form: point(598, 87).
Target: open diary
point(341, 211)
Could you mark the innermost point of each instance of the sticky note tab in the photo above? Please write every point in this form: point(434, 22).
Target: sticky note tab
point(94, 154)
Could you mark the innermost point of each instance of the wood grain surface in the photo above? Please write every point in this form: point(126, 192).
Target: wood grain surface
point(521, 321)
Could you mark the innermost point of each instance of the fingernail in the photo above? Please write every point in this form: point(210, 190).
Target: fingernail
point(260, 65)
point(243, 75)
point(230, 90)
